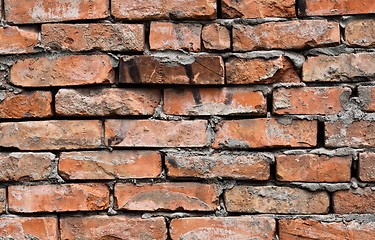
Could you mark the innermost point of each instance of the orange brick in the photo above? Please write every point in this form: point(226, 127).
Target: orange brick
point(366, 167)
point(39, 11)
point(109, 165)
point(168, 9)
point(367, 96)
point(16, 40)
point(258, 8)
point(32, 104)
point(25, 166)
point(360, 200)
point(260, 71)
point(360, 32)
point(286, 35)
point(239, 165)
point(167, 196)
point(216, 37)
point(248, 227)
point(112, 227)
point(51, 135)
point(41, 228)
point(337, 7)
point(273, 199)
point(175, 36)
point(308, 100)
point(62, 71)
point(313, 168)
point(155, 133)
point(58, 198)
point(85, 37)
point(214, 101)
point(106, 102)
point(263, 132)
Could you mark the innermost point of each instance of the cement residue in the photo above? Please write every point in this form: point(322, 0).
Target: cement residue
point(174, 57)
point(330, 187)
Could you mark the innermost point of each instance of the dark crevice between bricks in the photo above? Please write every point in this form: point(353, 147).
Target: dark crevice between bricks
point(355, 92)
point(277, 227)
point(6, 200)
point(58, 227)
point(168, 226)
point(112, 198)
point(331, 203)
point(2, 11)
point(218, 9)
point(301, 8)
point(147, 27)
point(354, 169)
point(321, 134)
point(273, 172)
point(269, 102)
point(164, 169)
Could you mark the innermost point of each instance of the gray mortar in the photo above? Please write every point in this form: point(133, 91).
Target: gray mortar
point(174, 57)
point(330, 187)
point(54, 176)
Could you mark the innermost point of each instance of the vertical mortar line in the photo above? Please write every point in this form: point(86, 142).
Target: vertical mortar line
point(269, 102)
point(218, 9)
point(321, 134)
point(164, 169)
point(147, 26)
point(168, 225)
point(53, 102)
point(103, 136)
point(277, 227)
point(354, 170)
point(112, 203)
point(58, 226)
point(6, 200)
point(331, 203)
point(3, 10)
point(300, 8)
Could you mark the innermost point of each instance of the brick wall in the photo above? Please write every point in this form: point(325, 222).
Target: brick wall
point(194, 119)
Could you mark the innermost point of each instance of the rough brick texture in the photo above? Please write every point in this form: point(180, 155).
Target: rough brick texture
point(187, 119)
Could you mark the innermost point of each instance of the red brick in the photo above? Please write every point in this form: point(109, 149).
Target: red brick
point(16, 40)
point(175, 36)
point(260, 71)
point(313, 168)
point(355, 134)
point(85, 37)
point(337, 7)
point(58, 198)
point(62, 71)
point(264, 132)
point(41, 228)
point(367, 96)
point(168, 9)
point(109, 165)
point(214, 101)
point(360, 32)
point(360, 200)
point(167, 196)
point(32, 104)
point(2, 200)
point(308, 100)
point(342, 68)
point(106, 102)
point(112, 227)
point(366, 167)
point(63, 134)
point(155, 133)
point(38, 11)
point(158, 70)
point(286, 35)
point(240, 165)
point(216, 37)
point(25, 166)
point(248, 227)
point(296, 229)
point(258, 9)
point(272, 199)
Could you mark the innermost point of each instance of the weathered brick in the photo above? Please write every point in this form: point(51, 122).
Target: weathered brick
point(109, 165)
point(25, 166)
point(155, 133)
point(58, 198)
point(41, 228)
point(273, 199)
point(308, 100)
point(214, 101)
point(62, 71)
point(32, 104)
point(264, 132)
point(16, 40)
point(356, 134)
point(39, 11)
point(175, 36)
point(158, 70)
point(2, 200)
point(112, 227)
point(216, 37)
point(296, 229)
point(51, 135)
point(336, 7)
point(106, 102)
point(366, 169)
point(168, 9)
point(248, 227)
point(297, 34)
point(260, 71)
point(360, 200)
point(239, 165)
point(341, 68)
point(103, 36)
point(167, 196)
point(258, 9)
point(366, 95)
point(360, 32)
point(313, 168)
